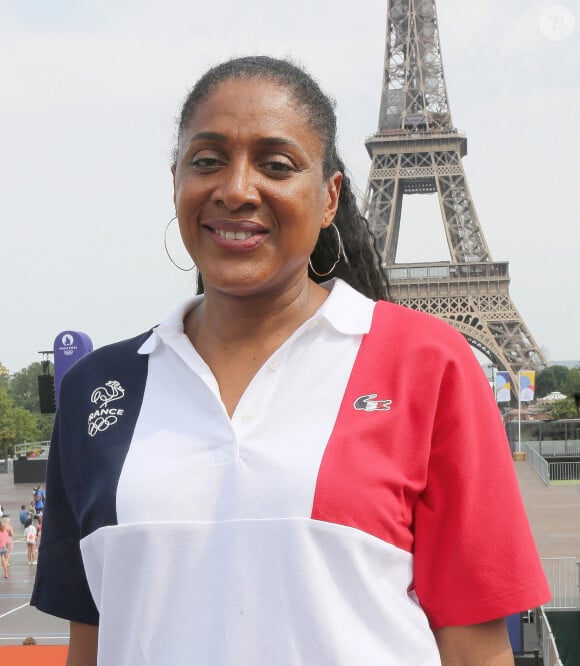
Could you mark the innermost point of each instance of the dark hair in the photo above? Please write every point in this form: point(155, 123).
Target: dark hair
point(28, 522)
point(360, 264)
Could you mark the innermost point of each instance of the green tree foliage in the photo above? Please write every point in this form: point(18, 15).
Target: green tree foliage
point(571, 388)
point(572, 383)
point(563, 409)
point(23, 387)
point(16, 424)
point(20, 417)
point(551, 379)
point(4, 376)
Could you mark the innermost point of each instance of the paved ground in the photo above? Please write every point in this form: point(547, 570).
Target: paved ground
point(17, 619)
point(554, 514)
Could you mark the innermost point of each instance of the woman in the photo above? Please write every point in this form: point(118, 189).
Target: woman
point(4, 538)
point(341, 507)
point(10, 543)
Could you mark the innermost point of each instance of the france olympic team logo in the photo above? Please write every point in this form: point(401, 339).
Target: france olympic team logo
point(104, 416)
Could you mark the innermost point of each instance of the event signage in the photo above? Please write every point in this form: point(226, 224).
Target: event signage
point(503, 386)
point(69, 347)
point(527, 385)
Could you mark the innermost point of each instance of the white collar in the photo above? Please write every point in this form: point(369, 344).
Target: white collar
point(345, 309)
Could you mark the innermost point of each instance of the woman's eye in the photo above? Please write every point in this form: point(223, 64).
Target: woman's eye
point(277, 167)
point(206, 162)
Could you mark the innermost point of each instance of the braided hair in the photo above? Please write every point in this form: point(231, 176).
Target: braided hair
point(360, 264)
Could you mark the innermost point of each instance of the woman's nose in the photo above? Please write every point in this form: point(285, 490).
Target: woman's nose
point(238, 186)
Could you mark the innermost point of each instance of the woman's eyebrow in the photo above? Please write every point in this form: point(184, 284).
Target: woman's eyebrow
point(222, 138)
point(276, 141)
point(212, 136)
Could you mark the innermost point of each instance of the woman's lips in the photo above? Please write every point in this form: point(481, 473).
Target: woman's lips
point(236, 235)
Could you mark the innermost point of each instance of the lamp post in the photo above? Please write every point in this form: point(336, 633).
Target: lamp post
point(492, 369)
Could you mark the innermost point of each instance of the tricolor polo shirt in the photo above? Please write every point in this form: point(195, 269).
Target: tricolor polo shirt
point(361, 496)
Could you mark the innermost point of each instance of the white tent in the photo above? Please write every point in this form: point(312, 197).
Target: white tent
point(553, 397)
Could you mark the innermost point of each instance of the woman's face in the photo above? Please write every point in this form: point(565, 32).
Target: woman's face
point(249, 191)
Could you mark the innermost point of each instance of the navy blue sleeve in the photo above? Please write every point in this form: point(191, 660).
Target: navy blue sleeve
point(61, 586)
point(84, 464)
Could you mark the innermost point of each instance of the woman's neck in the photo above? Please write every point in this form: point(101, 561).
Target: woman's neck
point(224, 319)
point(236, 336)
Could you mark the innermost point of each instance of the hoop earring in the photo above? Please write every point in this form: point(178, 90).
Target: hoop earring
point(185, 270)
point(338, 254)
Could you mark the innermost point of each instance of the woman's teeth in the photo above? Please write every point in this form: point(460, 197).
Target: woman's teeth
point(233, 235)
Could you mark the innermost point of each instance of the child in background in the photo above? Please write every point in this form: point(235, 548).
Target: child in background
point(30, 535)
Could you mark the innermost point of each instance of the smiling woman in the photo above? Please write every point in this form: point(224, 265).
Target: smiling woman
point(250, 194)
point(326, 450)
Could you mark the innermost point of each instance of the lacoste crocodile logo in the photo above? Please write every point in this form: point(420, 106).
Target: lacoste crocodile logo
point(369, 403)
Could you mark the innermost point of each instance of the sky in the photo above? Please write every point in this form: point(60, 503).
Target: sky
point(90, 92)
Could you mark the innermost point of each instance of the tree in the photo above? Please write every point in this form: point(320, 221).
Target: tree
point(16, 425)
point(563, 409)
point(4, 376)
point(20, 417)
point(572, 388)
point(23, 387)
point(551, 379)
point(7, 426)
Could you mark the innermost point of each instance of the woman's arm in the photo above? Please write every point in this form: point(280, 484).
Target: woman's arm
point(484, 644)
point(82, 647)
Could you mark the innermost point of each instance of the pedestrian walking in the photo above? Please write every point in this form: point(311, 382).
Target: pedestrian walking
point(30, 536)
point(4, 536)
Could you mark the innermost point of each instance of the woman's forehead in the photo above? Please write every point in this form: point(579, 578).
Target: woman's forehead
point(253, 109)
point(250, 96)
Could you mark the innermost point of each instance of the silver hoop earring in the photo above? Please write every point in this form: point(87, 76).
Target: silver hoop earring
point(185, 270)
point(338, 254)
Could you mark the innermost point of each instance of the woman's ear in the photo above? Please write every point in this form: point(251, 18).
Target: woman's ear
point(173, 168)
point(333, 195)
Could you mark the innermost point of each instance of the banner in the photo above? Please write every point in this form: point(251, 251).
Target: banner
point(527, 385)
point(503, 386)
point(69, 347)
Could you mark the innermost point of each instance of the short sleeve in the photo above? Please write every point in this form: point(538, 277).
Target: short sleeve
point(61, 586)
point(475, 557)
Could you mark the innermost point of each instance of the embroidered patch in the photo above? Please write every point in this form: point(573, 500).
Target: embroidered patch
point(368, 403)
point(104, 416)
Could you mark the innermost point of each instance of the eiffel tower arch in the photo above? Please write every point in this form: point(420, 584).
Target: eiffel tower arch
point(417, 150)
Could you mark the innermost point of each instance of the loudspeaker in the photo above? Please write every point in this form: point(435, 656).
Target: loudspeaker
point(46, 394)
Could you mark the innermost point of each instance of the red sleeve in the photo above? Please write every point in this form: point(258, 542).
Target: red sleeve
point(475, 557)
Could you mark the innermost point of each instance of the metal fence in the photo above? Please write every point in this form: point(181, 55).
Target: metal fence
point(551, 471)
point(32, 450)
point(538, 463)
point(563, 574)
point(564, 471)
point(549, 649)
point(557, 448)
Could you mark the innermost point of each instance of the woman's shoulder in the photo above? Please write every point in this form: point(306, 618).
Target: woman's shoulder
point(419, 335)
point(415, 323)
point(120, 357)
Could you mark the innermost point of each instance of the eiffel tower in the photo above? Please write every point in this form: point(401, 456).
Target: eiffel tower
point(417, 150)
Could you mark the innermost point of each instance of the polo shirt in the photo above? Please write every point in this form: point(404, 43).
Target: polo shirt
point(361, 496)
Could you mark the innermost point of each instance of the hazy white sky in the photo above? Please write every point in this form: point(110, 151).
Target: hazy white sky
point(88, 96)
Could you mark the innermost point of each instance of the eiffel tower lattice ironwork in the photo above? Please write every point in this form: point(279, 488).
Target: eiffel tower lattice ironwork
point(416, 150)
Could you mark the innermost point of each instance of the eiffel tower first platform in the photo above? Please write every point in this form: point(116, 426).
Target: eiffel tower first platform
point(417, 150)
